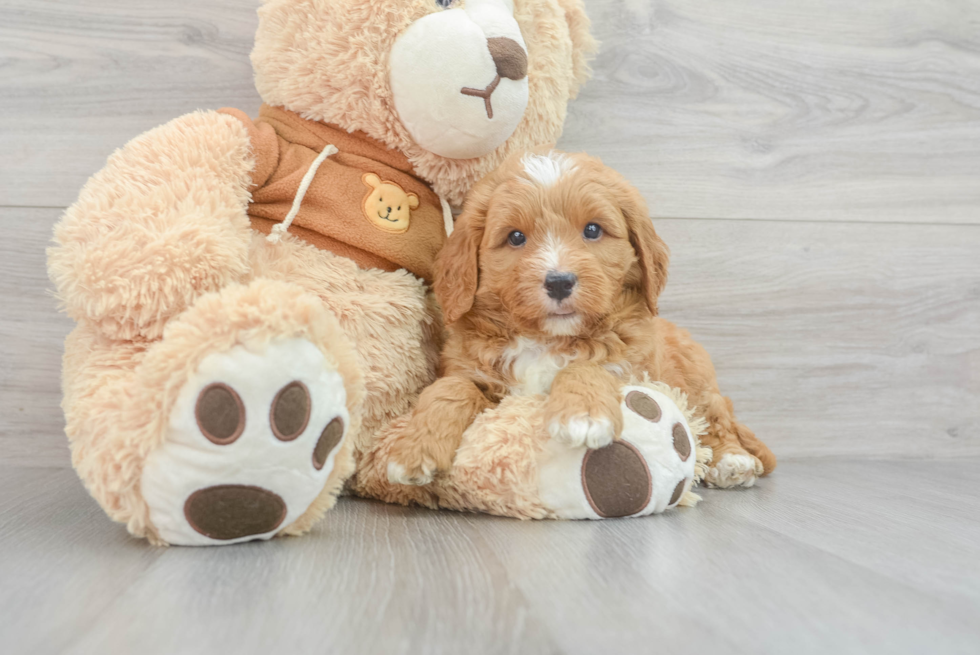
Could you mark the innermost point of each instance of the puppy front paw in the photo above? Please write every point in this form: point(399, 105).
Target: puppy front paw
point(417, 475)
point(739, 469)
point(583, 430)
point(417, 461)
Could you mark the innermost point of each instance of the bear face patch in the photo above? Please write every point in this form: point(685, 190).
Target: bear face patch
point(387, 205)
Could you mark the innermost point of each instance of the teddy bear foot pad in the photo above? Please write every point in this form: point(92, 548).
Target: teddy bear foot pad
point(251, 442)
point(647, 471)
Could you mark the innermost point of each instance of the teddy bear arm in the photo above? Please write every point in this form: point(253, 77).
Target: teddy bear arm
point(162, 223)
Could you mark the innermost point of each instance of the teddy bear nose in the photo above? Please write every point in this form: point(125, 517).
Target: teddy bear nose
point(509, 57)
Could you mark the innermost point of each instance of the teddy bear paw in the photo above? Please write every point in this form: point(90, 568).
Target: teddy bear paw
point(648, 470)
point(251, 442)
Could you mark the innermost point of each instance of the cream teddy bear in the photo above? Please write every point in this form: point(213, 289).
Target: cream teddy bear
point(249, 312)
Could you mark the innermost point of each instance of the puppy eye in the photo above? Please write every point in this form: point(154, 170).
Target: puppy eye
point(592, 232)
point(445, 4)
point(516, 238)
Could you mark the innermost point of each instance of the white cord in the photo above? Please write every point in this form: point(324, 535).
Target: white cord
point(447, 216)
point(278, 230)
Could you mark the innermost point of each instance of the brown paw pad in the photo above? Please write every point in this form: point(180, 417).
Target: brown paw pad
point(233, 511)
point(682, 443)
point(644, 405)
point(616, 480)
point(290, 412)
point(329, 438)
point(678, 492)
point(220, 414)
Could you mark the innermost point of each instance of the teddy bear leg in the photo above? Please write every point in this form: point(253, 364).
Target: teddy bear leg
point(650, 469)
point(249, 401)
point(494, 470)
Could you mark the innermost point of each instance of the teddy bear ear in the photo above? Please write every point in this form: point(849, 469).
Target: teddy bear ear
point(413, 201)
point(584, 45)
point(371, 180)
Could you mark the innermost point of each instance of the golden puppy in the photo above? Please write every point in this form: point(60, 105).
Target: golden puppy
point(549, 285)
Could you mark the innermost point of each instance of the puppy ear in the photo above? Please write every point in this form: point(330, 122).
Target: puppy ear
point(652, 252)
point(457, 269)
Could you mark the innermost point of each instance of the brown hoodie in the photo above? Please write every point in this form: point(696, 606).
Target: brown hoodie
point(364, 202)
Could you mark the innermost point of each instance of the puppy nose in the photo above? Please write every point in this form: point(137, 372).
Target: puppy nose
point(559, 285)
point(509, 57)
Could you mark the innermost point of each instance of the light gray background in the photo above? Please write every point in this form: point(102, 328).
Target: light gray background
point(814, 166)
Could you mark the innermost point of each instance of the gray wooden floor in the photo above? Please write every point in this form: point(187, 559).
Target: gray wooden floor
point(830, 556)
point(814, 166)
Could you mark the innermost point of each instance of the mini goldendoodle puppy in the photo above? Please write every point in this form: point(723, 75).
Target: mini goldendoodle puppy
point(549, 285)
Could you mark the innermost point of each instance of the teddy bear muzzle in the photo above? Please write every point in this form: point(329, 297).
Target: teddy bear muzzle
point(459, 78)
point(510, 60)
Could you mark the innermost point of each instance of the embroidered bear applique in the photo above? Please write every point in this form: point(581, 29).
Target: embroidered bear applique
point(387, 205)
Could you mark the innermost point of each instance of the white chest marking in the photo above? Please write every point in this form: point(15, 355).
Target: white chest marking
point(533, 366)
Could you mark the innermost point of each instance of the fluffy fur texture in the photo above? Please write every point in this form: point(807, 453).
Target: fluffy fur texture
point(326, 60)
point(583, 223)
point(164, 222)
point(118, 397)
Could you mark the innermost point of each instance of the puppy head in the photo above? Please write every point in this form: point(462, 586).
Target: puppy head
point(556, 241)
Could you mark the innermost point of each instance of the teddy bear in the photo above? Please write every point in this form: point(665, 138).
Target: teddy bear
point(252, 295)
point(254, 317)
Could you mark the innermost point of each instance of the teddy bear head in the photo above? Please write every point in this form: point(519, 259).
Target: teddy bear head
point(455, 85)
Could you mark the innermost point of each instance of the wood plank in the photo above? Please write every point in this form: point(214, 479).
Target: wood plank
point(373, 579)
point(827, 110)
point(32, 333)
point(62, 561)
point(78, 80)
point(837, 339)
point(767, 570)
point(822, 110)
point(739, 585)
point(832, 339)
point(910, 521)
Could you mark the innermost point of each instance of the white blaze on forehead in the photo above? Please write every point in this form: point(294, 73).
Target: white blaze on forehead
point(547, 169)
